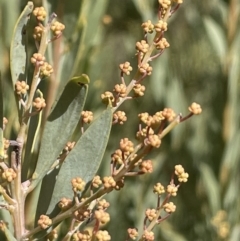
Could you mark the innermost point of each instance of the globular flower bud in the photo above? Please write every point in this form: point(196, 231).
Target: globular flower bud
point(151, 214)
point(21, 87)
point(109, 182)
point(126, 68)
point(39, 103)
point(133, 233)
point(40, 13)
point(38, 59)
point(172, 189)
point(195, 108)
point(126, 145)
point(146, 166)
point(9, 174)
point(96, 182)
point(37, 34)
point(160, 26)
point(169, 207)
point(87, 117)
point(162, 44)
point(78, 184)
point(119, 117)
point(46, 69)
point(102, 216)
point(168, 114)
point(138, 90)
point(107, 96)
point(57, 28)
point(142, 46)
point(153, 140)
point(120, 89)
point(148, 27)
point(103, 235)
point(158, 189)
point(145, 69)
point(148, 235)
point(44, 221)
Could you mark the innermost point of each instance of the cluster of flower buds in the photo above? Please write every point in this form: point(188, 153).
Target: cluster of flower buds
point(181, 174)
point(39, 103)
point(87, 117)
point(44, 222)
point(82, 236)
point(78, 184)
point(103, 235)
point(21, 87)
point(9, 174)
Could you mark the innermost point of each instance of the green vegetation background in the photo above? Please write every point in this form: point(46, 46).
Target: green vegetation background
point(202, 65)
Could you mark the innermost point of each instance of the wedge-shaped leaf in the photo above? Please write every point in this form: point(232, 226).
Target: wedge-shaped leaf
point(60, 125)
point(18, 54)
point(83, 161)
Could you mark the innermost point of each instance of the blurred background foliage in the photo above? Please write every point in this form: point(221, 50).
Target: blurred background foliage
point(202, 65)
